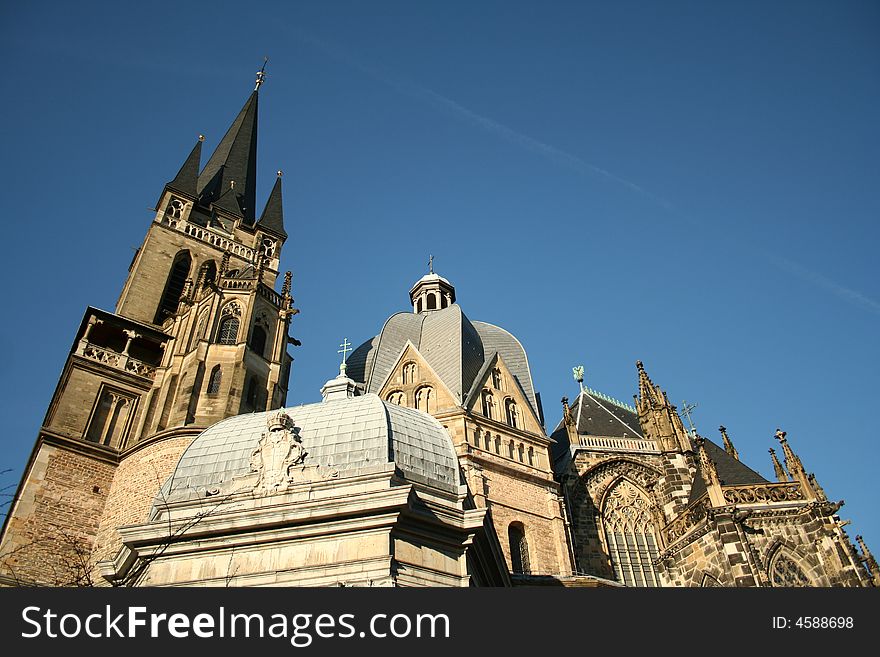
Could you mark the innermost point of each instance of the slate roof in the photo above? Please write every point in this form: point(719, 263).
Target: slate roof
point(595, 416)
point(350, 435)
point(730, 471)
point(453, 346)
point(273, 214)
point(186, 180)
point(234, 159)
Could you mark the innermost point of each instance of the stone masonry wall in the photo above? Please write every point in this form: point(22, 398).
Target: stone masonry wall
point(49, 538)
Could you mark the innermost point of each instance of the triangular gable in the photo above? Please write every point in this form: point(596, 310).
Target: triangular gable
point(427, 375)
point(513, 391)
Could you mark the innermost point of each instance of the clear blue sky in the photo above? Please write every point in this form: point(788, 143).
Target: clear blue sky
point(693, 184)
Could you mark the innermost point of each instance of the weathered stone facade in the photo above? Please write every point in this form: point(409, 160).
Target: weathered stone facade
point(149, 469)
point(690, 513)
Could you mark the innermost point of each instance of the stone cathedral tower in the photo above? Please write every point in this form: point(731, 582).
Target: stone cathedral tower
point(199, 333)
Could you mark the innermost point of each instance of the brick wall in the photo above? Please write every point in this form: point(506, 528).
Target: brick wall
point(49, 538)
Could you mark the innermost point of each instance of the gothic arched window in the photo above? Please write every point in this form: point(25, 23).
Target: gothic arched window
point(425, 399)
point(397, 397)
point(784, 572)
point(258, 340)
point(228, 331)
point(519, 548)
point(512, 413)
point(630, 535)
point(208, 272)
point(214, 381)
point(488, 405)
point(173, 286)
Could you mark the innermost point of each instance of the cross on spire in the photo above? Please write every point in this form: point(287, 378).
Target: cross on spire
point(686, 409)
point(346, 347)
point(261, 74)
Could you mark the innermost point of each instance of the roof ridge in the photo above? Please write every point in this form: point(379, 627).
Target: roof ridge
point(638, 433)
point(612, 400)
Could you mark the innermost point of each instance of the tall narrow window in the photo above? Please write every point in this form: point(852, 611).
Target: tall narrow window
point(512, 413)
point(488, 405)
point(531, 454)
point(425, 399)
point(630, 533)
point(409, 373)
point(228, 331)
point(173, 287)
point(510, 450)
point(519, 548)
point(258, 340)
point(215, 380)
point(496, 379)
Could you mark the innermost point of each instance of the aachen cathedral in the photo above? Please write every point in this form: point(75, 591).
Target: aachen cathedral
point(168, 456)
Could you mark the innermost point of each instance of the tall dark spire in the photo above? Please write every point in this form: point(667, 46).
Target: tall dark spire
point(186, 180)
point(272, 218)
point(229, 179)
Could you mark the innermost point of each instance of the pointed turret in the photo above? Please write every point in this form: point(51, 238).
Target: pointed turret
point(659, 419)
point(869, 561)
point(186, 180)
point(648, 392)
point(728, 443)
point(777, 467)
point(796, 468)
point(229, 179)
point(272, 219)
point(709, 473)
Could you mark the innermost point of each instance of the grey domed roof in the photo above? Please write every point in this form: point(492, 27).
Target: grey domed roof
point(351, 435)
point(454, 347)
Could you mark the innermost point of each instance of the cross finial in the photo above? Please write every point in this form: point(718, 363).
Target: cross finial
point(686, 409)
point(430, 264)
point(261, 74)
point(346, 347)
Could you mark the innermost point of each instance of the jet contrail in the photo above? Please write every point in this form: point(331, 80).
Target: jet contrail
point(570, 161)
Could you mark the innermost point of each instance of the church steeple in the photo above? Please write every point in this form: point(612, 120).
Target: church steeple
point(229, 179)
point(272, 218)
point(186, 180)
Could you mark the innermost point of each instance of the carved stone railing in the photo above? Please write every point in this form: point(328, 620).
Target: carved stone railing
point(618, 444)
point(269, 294)
point(135, 366)
point(685, 521)
point(230, 283)
point(208, 236)
point(763, 493)
point(100, 354)
point(116, 360)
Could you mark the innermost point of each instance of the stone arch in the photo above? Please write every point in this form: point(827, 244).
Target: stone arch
point(786, 567)
point(597, 478)
point(710, 581)
point(629, 532)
